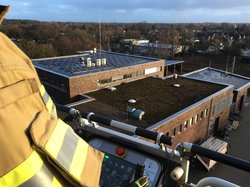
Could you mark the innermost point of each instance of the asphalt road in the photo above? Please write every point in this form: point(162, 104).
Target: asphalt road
point(239, 147)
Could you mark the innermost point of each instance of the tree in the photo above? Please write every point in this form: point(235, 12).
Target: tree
point(75, 40)
point(35, 50)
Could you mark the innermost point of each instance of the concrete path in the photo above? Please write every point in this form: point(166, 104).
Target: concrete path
point(240, 147)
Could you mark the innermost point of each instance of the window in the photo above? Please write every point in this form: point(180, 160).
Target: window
point(180, 128)
point(134, 74)
point(191, 121)
point(151, 70)
point(117, 78)
point(196, 118)
point(201, 117)
point(185, 124)
point(53, 83)
point(234, 98)
point(174, 131)
point(140, 73)
point(126, 76)
point(206, 112)
point(104, 81)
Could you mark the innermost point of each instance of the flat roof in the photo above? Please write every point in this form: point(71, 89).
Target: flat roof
point(172, 62)
point(219, 76)
point(70, 66)
point(157, 97)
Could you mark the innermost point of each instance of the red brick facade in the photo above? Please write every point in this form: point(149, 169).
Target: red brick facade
point(240, 100)
point(65, 89)
point(200, 115)
point(88, 83)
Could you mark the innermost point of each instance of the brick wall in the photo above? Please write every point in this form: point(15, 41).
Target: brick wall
point(224, 114)
point(198, 131)
point(88, 83)
point(193, 132)
point(239, 94)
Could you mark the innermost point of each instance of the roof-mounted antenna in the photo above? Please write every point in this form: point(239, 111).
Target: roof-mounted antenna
point(100, 34)
point(227, 63)
point(210, 62)
point(108, 37)
point(233, 65)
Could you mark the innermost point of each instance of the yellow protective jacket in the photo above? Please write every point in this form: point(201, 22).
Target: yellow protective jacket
point(37, 148)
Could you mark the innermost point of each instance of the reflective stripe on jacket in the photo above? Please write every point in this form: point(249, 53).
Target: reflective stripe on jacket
point(70, 153)
point(31, 172)
point(48, 101)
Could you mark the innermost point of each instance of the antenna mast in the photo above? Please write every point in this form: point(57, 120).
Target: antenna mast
point(100, 34)
point(108, 38)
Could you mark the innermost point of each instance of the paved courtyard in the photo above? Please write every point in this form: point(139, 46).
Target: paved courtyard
point(239, 147)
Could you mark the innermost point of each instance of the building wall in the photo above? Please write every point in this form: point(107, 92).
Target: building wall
point(172, 69)
point(189, 132)
point(199, 119)
point(239, 94)
point(56, 86)
point(224, 114)
point(91, 82)
point(65, 89)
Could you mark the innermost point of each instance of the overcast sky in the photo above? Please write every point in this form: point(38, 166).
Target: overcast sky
point(164, 11)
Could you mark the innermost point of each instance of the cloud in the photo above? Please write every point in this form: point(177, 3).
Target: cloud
point(123, 11)
point(26, 4)
point(132, 10)
point(64, 7)
point(159, 4)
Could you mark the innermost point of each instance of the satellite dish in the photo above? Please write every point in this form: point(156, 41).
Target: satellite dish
point(132, 101)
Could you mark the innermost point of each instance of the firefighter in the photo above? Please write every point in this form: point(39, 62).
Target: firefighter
point(37, 148)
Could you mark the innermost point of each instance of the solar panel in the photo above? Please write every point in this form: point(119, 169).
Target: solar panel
point(71, 66)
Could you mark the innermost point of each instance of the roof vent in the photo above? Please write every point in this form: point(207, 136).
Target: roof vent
point(138, 114)
point(82, 59)
point(175, 76)
point(131, 101)
point(112, 89)
point(89, 63)
point(104, 61)
point(176, 85)
point(98, 62)
point(130, 109)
